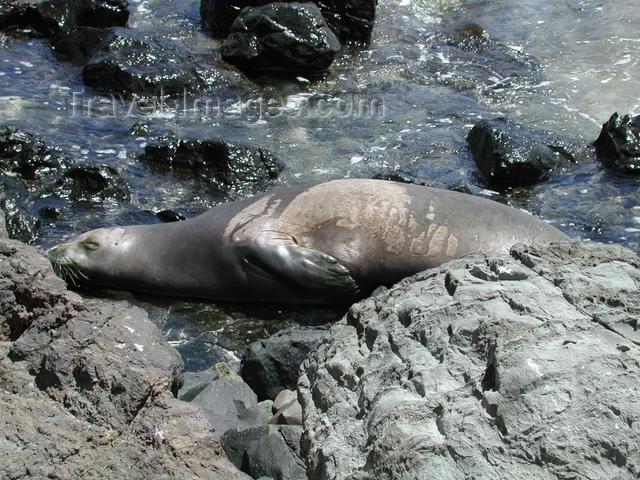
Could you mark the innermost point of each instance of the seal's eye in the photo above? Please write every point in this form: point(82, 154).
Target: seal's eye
point(90, 244)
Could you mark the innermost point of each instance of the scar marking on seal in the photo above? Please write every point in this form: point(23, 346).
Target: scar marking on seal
point(247, 223)
point(436, 244)
point(452, 245)
point(418, 244)
point(431, 215)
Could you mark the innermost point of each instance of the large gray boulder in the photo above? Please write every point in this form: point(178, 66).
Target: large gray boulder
point(87, 386)
point(490, 367)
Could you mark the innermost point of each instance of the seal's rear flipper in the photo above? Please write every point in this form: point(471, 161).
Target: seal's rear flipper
point(302, 268)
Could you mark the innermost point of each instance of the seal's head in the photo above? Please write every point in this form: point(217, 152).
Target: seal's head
point(93, 257)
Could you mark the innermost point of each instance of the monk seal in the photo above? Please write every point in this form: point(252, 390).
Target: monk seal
point(331, 242)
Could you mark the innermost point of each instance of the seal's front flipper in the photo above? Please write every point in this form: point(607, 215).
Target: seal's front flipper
point(302, 268)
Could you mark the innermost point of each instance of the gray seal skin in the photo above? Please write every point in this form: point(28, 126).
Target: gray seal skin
point(331, 242)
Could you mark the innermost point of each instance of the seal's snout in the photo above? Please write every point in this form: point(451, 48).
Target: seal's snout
point(56, 253)
point(64, 265)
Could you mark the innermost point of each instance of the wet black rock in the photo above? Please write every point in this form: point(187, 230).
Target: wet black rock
point(271, 451)
point(128, 62)
point(168, 216)
point(285, 37)
point(491, 366)
point(77, 44)
point(88, 386)
point(350, 20)
point(93, 183)
point(509, 154)
point(57, 15)
point(618, 145)
point(228, 167)
point(3, 227)
point(225, 399)
point(272, 365)
point(50, 17)
point(17, 14)
point(14, 201)
point(50, 213)
point(27, 155)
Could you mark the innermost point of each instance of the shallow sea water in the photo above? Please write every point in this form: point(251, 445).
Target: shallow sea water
point(565, 66)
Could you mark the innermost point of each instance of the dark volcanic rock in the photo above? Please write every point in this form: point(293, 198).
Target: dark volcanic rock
point(17, 14)
point(271, 451)
point(3, 227)
point(77, 44)
point(27, 165)
point(290, 37)
point(168, 216)
point(93, 183)
point(618, 145)
point(226, 400)
point(272, 365)
point(509, 154)
point(490, 366)
point(86, 386)
point(26, 155)
point(52, 16)
point(14, 199)
point(57, 15)
point(230, 168)
point(128, 62)
point(350, 20)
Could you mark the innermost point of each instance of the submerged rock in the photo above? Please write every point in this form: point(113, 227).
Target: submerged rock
point(618, 145)
point(271, 451)
point(350, 20)
point(289, 37)
point(272, 365)
point(128, 62)
point(490, 366)
point(88, 386)
point(509, 154)
point(228, 167)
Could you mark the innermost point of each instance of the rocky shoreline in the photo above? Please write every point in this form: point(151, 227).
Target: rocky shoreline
point(523, 365)
point(492, 366)
point(88, 386)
